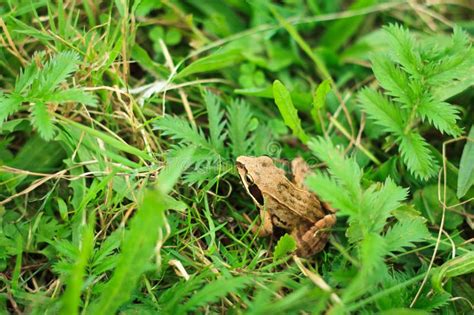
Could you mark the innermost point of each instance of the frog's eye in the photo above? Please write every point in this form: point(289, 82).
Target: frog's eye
point(249, 178)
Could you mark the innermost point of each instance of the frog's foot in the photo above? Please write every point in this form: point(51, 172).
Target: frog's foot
point(314, 240)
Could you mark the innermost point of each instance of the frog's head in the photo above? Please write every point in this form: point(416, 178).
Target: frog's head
point(254, 173)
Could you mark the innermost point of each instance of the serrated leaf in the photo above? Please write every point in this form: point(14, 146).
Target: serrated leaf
point(288, 110)
point(405, 51)
point(240, 117)
point(381, 203)
point(382, 111)
point(466, 166)
point(405, 233)
point(56, 70)
point(345, 170)
point(181, 130)
point(416, 155)
point(42, 121)
point(72, 95)
point(286, 244)
point(442, 115)
point(216, 123)
point(392, 79)
point(8, 105)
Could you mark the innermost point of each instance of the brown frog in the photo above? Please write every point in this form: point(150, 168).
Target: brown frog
point(287, 204)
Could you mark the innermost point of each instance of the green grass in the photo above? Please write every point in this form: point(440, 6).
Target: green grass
point(120, 124)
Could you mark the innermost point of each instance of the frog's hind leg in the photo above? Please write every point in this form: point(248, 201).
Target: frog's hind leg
point(299, 169)
point(314, 240)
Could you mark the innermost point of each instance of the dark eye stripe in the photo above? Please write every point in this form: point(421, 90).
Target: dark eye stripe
point(256, 193)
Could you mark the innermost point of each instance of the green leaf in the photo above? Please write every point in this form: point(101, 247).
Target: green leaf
point(442, 115)
point(380, 204)
point(119, 145)
point(346, 170)
point(42, 121)
point(56, 70)
point(416, 155)
point(240, 123)
point(288, 110)
point(340, 31)
point(286, 244)
point(212, 292)
point(216, 123)
point(458, 266)
point(466, 166)
point(393, 79)
point(330, 191)
point(405, 233)
point(319, 101)
point(405, 51)
point(72, 95)
point(8, 105)
point(71, 298)
point(181, 130)
point(210, 63)
point(382, 111)
point(137, 248)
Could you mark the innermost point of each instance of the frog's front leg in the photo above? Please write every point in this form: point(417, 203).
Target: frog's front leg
point(266, 227)
point(314, 240)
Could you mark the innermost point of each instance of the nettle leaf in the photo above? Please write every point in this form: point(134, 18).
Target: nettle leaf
point(42, 120)
point(405, 233)
point(442, 115)
point(286, 244)
point(382, 111)
point(56, 70)
point(240, 125)
point(416, 155)
point(288, 111)
point(466, 166)
point(405, 51)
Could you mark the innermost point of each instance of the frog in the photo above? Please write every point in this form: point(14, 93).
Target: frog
point(287, 204)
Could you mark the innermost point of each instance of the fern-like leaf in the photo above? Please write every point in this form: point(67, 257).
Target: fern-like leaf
point(346, 171)
point(56, 70)
point(72, 95)
point(405, 233)
point(382, 111)
point(442, 115)
point(379, 204)
point(216, 122)
point(8, 105)
point(240, 117)
point(416, 155)
point(181, 130)
point(42, 121)
point(330, 191)
point(392, 79)
point(405, 51)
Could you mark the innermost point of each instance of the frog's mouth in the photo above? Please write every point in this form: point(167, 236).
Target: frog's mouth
point(251, 188)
